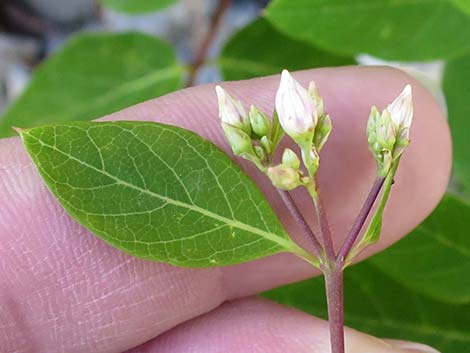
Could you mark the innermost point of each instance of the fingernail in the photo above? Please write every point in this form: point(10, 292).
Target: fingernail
point(411, 347)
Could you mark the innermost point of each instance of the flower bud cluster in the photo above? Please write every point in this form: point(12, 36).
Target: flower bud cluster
point(299, 113)
point(249, 134)
point(388, 132)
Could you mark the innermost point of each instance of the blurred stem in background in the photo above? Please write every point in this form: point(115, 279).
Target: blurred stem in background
point(201, 54)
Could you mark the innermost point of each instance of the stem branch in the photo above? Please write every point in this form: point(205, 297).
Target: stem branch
point(327, 240)
point(201, 53)
point(361, 218)
point(300, 220)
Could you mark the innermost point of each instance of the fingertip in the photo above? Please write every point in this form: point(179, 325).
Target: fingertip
point(411, 347)
point(254, 324)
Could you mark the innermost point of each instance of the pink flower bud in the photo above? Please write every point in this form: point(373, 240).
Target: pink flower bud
point(295, 107)
point(401, 109)
point(231, 111)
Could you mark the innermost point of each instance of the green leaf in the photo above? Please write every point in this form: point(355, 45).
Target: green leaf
point(260, 50)
point(378, 305)
point(463, 5)
point(158, 192)
point(94, 75)
point(390, 29)
point(435, 258)
point(137, 6)
point(456, 85)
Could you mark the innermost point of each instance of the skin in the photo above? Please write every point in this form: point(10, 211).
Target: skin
point(64, 290)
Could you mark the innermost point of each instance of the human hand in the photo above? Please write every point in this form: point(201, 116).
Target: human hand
point(64, 290)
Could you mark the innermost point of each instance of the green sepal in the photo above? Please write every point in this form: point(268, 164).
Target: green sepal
point(277, 133)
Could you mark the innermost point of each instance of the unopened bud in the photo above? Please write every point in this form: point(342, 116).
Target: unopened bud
point(295, 108)
point(401, 113)
point(265, 142)
point(290, 159)
point(238, 140)
point(388, 132)
point(260, 153)
point(401, 109)
point(231, 111)
point(284, 177)
point(260, 123)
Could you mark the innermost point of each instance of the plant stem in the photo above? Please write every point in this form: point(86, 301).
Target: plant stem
point(334, 296)
point(201, 53)
point(333, 273)
point(300, 220)
point(325, 228)
point(327, 240)
point(360, 220)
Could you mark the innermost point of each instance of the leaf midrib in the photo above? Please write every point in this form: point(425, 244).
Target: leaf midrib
point(440, 238)
point(135, 85)
point(284, 243)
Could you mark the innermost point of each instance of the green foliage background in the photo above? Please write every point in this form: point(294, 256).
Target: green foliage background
point(419, 289)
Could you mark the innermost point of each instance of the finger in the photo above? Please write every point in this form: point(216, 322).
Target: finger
point(65, 290)
point(256, 325)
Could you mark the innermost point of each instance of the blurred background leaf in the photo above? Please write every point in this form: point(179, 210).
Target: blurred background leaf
point(259, 50)
point(94, 75)
point(464, 5)
point(377, 304)
point(137, 6)
point(435, 258)
point(456, 86)
point(389, 29)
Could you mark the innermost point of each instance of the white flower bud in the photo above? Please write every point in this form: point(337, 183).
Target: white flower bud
point(231, 111)
point(401, 109)
point(401, 114)
point(296, 108)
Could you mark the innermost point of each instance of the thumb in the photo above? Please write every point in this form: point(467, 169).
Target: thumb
point(258, 325)
point(410, 346)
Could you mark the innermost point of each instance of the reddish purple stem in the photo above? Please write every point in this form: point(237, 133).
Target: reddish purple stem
point(361, 219)
point(300, 220)
point(334, 296)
